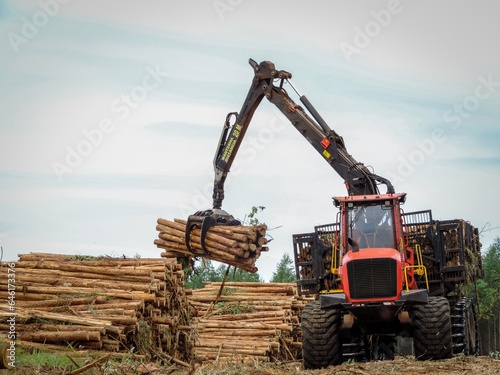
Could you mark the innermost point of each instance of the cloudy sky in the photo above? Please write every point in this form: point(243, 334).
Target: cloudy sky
point(111, 111)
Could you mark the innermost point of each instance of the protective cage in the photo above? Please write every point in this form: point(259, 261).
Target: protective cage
point(313, 259)
point(451, 250)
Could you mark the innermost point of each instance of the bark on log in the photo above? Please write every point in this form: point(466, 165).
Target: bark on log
point(63, 302)
point(61, 336)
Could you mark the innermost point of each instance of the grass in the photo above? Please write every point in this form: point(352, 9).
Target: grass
point(88, 258)
point(67, 360)
point(228, 308)
point(38, 358)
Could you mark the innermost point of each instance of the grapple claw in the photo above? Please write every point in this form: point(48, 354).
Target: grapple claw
point(206, 224)
point(194, 221)
point(204, 220)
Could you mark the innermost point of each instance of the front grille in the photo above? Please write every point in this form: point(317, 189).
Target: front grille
point(372, 278)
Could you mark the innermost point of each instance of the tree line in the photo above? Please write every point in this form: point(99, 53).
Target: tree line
point(213, 271)
point(488, 288)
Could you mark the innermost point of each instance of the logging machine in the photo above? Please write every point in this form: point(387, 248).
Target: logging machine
point(377, 272)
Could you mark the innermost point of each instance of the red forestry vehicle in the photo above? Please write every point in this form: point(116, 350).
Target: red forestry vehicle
point(377, 272)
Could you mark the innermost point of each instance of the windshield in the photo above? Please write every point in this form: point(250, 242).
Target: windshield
point(371, 226)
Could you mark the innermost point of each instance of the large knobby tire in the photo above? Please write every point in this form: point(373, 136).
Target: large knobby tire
point(464, 327)
point(432, 337)
point(321, 345)
point(458, 326)
point(471, 327)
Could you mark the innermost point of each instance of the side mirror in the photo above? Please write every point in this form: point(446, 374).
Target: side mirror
point(354, 244)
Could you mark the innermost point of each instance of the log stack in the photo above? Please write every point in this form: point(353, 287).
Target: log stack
point(238, 246)
point(249, 320)
point(105, 303)
point(449, 245)
point(115, 305)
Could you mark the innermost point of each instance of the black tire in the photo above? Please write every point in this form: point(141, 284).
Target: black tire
point(471, 328)
point(464, 327)
point(432, 338)
point(383, 348)
point(321, 345)
point(458, 326)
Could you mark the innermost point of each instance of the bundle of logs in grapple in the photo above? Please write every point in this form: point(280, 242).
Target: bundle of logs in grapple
point(238, 246)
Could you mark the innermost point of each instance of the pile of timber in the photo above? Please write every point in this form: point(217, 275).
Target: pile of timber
point(307, 265)
point(457, 241)
point(112, 304)
point(238, 246)
point(248, 320)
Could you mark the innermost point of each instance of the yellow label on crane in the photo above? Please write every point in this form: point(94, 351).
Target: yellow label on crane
point(326, 154)
point(231, 143)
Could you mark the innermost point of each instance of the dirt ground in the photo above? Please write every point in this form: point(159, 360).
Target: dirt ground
point(407, 366)
point(401, 365)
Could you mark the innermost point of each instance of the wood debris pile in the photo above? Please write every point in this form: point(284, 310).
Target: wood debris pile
point(112, 304)
point(249, 320)
point(238, 246)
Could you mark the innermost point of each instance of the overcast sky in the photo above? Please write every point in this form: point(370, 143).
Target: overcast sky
point(111, 112)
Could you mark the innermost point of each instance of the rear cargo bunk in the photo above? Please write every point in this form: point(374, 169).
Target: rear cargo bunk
point(313, 259)
point(451, 251)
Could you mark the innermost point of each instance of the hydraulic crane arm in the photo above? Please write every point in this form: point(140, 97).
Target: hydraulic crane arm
point(359, 179)
point(268, 82)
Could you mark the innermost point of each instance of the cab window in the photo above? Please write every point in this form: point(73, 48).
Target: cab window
point(371, 226)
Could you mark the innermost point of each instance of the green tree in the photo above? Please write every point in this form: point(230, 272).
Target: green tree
point(196, 275)
point(215, 271)
point(488, 288)
point(251, 218)
point(285, 271)
point(236, 274)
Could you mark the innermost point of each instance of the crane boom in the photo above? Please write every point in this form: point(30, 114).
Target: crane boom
point(268, 82)
point(359, 179)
